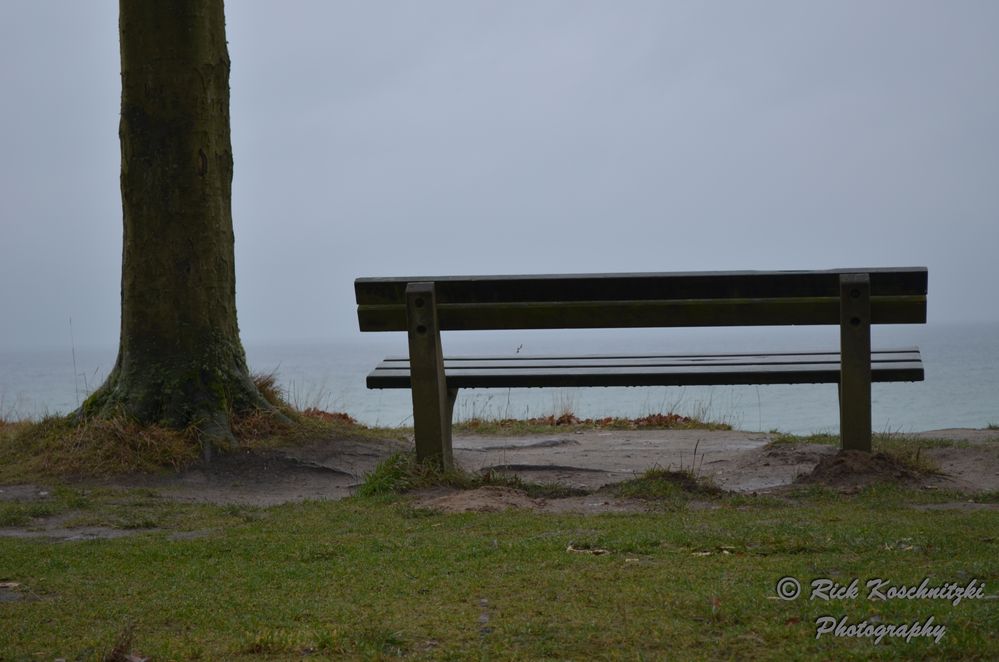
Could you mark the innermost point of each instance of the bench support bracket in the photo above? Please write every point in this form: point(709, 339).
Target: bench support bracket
point(432, 400)
point(855, 362)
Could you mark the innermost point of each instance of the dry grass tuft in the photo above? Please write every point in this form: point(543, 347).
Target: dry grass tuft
point(568, 419)
point(330, 416)
point(58, 446)
point(267, 385)
point(258, 424)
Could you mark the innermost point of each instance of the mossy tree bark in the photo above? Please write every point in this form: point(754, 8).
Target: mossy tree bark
point(180, 361)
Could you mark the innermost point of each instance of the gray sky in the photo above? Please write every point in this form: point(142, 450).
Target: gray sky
point(402, 138)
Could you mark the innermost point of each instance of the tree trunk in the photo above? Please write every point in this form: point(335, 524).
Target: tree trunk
point(180, 361)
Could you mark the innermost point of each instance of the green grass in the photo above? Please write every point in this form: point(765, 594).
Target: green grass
point(666, 485)
point(401, 473)
point(20, 514)
point(366, 578)
point(375, 578)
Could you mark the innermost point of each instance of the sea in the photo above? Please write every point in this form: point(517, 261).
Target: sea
point(961, 388)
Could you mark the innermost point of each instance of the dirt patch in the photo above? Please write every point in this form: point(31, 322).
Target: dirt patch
point(957, 505)
point(15, 592)
point(594, 504)
point(856, 469)
point(53, 531)
point(765, 468)
point(543, 443)
point(23, 493)
point(518, 468)
point(9, 596)
point(971, 469)
point(329, 469)
point(735, 461)
point(590, 459)
point(488, 499)
point(492, 498)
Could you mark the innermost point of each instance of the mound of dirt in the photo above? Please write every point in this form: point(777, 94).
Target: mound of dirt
point(655, 483)
point(490, 498)
point(855, 469)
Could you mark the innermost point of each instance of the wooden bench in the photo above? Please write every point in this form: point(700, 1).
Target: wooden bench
point(851, 298)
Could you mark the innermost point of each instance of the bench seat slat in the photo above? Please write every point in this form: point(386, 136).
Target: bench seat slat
point(884, 353)
point(664, 285)
point(530, 363)
point(472, 372)
point(910, 309)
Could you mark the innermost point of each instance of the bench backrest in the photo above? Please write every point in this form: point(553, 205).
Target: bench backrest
point(725, 298)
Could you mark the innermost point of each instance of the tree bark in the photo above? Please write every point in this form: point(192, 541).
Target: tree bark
point(180, 361)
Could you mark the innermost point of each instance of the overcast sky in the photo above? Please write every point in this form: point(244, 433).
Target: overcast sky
point(402, 138)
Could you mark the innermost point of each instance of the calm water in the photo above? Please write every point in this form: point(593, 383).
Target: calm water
point(961, 387)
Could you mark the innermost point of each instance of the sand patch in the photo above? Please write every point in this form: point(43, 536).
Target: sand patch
point(971, 469)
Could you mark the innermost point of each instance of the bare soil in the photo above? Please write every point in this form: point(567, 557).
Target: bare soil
point(856, 469)
point(743, 462)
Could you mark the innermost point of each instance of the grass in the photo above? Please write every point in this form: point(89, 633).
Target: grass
point(668, 486)
point(57, 446)
point(665, 484)
point(567, 421)
point(263, 429)
point(375, 578)
point(401, 473)
point(19, 514)
point(366, 579)
point(62, 447)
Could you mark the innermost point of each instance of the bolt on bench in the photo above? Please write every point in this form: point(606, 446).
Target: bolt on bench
point(851, 298)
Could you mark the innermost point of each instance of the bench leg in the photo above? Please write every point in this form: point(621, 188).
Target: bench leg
point(432, 402)
point(855, 362)
point(452, 395)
